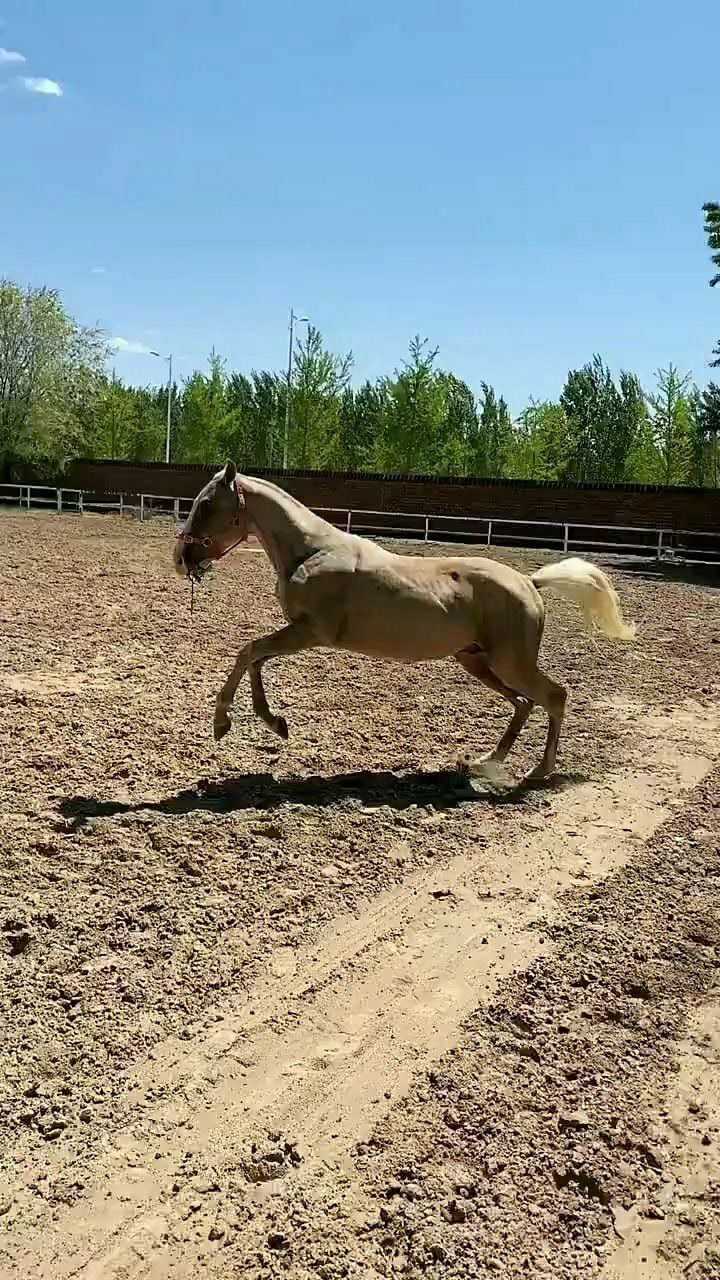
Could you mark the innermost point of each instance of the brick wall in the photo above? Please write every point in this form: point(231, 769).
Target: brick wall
point(629, 505)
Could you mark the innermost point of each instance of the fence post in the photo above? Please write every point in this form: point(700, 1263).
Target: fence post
point(565, 538)
point(121, 504)
point(27, 498)
point(177, 510)
point(80, 502)
point(489, 532)
point(427, 528)
point(142, 506)
point(349, 522)
point(59, 501)
point(660, 544)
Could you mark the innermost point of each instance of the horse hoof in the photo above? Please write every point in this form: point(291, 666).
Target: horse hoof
point(538, 777)
point(221, 727)
point(281, 729)
point(492, 772)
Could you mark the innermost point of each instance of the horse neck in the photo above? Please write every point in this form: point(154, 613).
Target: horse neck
point(281, 523)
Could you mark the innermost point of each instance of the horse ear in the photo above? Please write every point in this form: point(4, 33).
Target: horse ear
point(229, 473)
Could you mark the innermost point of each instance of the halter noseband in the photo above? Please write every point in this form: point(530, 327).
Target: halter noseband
point(188, 540)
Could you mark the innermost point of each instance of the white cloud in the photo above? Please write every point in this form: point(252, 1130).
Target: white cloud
point(40, 84)
point(10, 55)
point(98, 271)
point(131, 346)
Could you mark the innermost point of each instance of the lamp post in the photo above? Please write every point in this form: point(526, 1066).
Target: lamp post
point(286, 440)
point(169, 359)
point(112, 416)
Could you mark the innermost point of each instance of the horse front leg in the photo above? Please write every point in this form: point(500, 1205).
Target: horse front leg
point(290, 639)
point(278, 724)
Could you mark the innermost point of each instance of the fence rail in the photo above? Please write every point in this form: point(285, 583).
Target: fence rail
point(550, 535)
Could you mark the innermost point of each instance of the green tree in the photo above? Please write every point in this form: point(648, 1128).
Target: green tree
point(712, 230)
point(320, 379)
point(671, 423)
point(458, 431)
point(539, 448)
point(603, 421)
point(147, 424)
point(50, 377)
point(493, 442)
point(698, 451)
point(106, 435)
point(633, 417)
point(644, 463)
point(253, 426)
point(521, 460)
point(357, 441)
point(125, 422)
point(414, 413)
point(207, 419)
point(707, 411)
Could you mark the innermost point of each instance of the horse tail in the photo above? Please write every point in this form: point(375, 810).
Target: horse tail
point(590, 589)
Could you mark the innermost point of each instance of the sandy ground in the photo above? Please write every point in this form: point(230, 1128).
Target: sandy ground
point(325, 1010)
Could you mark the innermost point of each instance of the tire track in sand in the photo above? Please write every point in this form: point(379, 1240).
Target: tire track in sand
point(331, 1036)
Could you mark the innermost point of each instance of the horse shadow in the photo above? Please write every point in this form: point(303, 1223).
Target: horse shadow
point(441, 789)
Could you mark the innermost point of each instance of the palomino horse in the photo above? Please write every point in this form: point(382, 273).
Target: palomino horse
point(344, 592)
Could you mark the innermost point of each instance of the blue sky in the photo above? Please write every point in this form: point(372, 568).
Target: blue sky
point(520, 182)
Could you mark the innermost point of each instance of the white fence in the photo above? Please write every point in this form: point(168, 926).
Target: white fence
point(144, 505)
point(559, 535)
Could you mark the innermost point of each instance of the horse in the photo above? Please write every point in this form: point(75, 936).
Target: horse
point(341, 591)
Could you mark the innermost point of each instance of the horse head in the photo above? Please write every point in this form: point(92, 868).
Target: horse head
point(217, 522)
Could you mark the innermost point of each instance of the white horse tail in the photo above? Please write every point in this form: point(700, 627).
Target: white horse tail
point(591, 590)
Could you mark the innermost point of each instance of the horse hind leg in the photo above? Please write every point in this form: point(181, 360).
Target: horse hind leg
point(553, 697)
point(532, 683)
point(475, 663)
point(520, 716)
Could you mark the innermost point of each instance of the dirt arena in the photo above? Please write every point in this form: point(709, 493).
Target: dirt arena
point(323, 1010)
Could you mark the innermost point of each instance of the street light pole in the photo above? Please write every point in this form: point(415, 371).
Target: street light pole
point(169, 408)
point(112, 416)
point(286, 440)
point(169, 399)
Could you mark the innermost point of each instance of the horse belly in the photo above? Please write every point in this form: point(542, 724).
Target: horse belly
point(407, 630)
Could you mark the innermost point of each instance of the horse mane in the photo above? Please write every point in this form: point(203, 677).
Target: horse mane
point(256, 484)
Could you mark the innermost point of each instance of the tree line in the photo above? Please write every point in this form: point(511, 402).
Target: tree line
point(58, 402)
